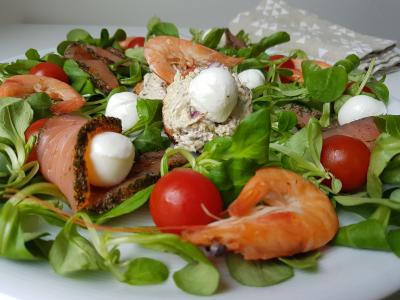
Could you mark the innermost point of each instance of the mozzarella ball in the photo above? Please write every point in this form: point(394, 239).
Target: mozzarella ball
point(359, 107)
point(123, 106)
point(214, 92)
point(251, 78)
point(111, 157)
point(222, 41)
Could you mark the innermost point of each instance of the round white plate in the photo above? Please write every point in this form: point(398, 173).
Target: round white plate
point(343, 273)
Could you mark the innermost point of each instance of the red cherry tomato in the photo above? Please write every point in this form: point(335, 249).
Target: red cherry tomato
point(347, 159)
point(285, 65)
point(132, 42)
point(289, 64)
point(181, 197)
point(136, 42)
point(34, 129)
point(49, 70)
point(365, 88)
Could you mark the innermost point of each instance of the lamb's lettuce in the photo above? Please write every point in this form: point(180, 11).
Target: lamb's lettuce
point(325, 85)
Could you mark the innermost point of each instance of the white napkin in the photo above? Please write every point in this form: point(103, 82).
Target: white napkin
point(319, 38)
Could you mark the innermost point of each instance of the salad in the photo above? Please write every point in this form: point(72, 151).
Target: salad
point(106, 125)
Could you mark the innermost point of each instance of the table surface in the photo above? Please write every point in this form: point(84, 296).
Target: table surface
point(20, 37)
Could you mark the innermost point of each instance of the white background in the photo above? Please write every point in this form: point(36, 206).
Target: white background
point(380, 18)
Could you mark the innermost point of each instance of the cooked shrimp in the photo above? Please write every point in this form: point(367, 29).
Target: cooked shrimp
point(24, 85)
point(163, 53)
point(299, 218)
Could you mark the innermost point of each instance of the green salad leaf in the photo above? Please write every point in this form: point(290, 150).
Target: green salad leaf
point(81, 35)
point(350, 63)
point(386, 147)
point(156, 27)
point(147, 132)
point(80, 80)
point(379, 89)
point(389, 124)
point(144, 270)
point(41, 104)
point(306, 261)
point(198, 277)
point(391, 174)
point(287, 120)
point(212, 38)
point(257, 273)
point(265, 43)
point(325, 85)
point(368, 234)
point(393, 239)
point(15, 117)
point(71, 252)
point(230, 161)
point(127, 206)
point(12, 241)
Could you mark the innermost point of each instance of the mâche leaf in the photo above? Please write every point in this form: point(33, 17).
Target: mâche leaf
point(391, 174)
point(198, 277)
point(143, 270)
point(127, 206)
point(268, 42)
point(156, 27)
point(368, 234)
point(212, 39)
point(389, 124)
point(386, 147)
point(257, 273)
point(304, 261)
point(12, 241)
point(350, 63)
point(80, 80)
point(41, 105)
point(287, 120)
point(72, 253)
point(325, 85)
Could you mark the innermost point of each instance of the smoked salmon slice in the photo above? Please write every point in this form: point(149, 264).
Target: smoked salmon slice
point(62, 154)
point(365, 130)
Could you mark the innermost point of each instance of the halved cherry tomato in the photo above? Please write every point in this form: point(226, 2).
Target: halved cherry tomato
point(49, 70)
point(285, 65)
point(365, 89)
point(289, 64)
point(34, 129)
point(347, 159)
point(132, 42)
point(182, 198)
point(136, 42)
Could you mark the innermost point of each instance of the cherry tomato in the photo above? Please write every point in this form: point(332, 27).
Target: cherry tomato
point(289, 64)
point(136, 42)
point(181, 198)
point(34, 129)
point(50, 70)
point(347, 159)
point(285, 65)
point(132, 42)
point(365, 88)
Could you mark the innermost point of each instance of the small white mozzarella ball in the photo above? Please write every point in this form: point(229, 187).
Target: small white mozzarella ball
point(123, 106)
point(359, 107)
point(222, 41)
point(251, 78)
point(214, 92)
point(111, 157)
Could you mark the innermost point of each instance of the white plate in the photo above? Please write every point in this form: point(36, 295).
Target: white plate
point(343, 273)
